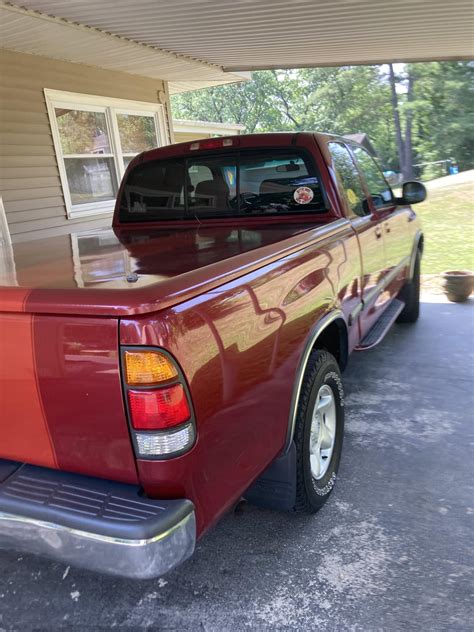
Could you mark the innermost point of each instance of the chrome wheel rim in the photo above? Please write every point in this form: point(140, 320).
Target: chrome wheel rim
point(323, 432)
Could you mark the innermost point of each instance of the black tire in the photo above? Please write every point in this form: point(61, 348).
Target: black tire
point(410, 294)
point(311, 494)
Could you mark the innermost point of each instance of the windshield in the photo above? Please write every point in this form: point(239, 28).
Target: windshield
point(222, 185)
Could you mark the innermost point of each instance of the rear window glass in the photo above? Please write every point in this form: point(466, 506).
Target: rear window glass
point(226, 185)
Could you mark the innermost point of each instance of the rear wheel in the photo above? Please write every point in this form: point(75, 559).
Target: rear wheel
point(319, 432)
point(410, 294)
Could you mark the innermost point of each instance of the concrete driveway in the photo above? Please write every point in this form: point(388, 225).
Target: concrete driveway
point(390, 551)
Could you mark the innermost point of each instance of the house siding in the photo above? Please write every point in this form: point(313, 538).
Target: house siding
point(186, 137)
point(29, 175)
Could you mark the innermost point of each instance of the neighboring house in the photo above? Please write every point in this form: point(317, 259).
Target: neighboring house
point(76, 105)
point(185, 131)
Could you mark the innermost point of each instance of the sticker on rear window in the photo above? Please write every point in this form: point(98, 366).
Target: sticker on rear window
point(303, 195)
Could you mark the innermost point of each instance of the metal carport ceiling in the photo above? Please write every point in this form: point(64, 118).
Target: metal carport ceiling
point(198, 43)
point(253, 34)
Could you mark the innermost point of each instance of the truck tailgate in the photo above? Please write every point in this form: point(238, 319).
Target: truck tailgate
point(60, 395)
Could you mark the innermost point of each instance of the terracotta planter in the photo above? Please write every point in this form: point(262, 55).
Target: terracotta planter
point(458, 285)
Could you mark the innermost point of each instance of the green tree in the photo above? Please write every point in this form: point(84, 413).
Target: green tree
point(245, 103)
point(443, 112)
point(432, 102)
point(339, 100)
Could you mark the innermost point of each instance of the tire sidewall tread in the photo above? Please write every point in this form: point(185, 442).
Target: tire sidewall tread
point(322, 369)
point(411, 295)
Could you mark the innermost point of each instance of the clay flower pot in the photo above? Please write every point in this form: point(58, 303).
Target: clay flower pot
point(458, 284)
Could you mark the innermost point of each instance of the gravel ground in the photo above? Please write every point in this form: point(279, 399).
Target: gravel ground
point(390, 551)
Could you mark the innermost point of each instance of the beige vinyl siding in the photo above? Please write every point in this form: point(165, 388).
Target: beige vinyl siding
point(186, 137)
point(29, 175)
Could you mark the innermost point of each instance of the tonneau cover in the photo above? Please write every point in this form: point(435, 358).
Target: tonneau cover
point(135, 271)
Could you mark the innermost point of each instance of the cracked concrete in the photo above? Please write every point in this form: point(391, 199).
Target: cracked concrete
point(390, 551)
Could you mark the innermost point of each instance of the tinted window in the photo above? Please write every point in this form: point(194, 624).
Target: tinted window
point(282, 184)
point(226, 185)
point(211, 186)
point(377, 186)
point(154, 190)
point(349, 179)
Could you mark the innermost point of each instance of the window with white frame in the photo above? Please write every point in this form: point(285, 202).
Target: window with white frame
point(95, 138)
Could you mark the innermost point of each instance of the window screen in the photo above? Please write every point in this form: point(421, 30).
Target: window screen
point(95, 139)
point(222, 185)
point(87, 154)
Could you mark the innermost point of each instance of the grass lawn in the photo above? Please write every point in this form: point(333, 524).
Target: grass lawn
point(448, 225)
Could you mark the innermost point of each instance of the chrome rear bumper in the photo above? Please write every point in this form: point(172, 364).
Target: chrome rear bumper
point(99, 525)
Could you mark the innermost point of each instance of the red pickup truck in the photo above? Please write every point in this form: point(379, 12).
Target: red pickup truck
point(192, 354)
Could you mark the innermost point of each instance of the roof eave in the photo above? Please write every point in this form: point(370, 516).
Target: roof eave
point(32, 32)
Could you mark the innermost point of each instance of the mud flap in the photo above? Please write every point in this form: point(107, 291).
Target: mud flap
point(276, 487)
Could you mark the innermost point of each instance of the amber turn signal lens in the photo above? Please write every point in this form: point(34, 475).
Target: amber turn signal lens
point(148, 367)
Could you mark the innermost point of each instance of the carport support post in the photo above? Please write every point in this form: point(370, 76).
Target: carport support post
point(408, 161)
point(396, 119)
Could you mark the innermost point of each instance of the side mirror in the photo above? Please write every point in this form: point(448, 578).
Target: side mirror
point(413, 193)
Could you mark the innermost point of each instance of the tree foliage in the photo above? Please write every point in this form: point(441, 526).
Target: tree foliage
point(443, 112)
point(435, 112)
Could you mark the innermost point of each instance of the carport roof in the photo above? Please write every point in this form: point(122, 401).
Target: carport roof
point(197, 43)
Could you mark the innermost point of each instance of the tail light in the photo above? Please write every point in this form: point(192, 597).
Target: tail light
point(158, 403)
point(148, 367)
point(162, 408)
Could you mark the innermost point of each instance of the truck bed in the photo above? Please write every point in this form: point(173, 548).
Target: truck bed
point(137, 271)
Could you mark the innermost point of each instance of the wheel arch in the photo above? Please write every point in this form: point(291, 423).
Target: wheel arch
point(330, 331)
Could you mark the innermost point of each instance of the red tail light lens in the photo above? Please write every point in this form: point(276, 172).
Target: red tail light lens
point(158, 409)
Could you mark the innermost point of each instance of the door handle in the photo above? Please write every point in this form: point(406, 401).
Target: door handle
point(387, 228)
point(378, 233)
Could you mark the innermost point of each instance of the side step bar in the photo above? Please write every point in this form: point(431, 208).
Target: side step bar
point(382, 326)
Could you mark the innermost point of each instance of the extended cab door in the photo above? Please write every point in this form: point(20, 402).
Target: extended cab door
point(369, 228)
point(394, 221)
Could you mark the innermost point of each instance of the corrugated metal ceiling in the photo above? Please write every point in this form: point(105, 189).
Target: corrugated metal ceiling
point(255, 34)
point(39, 34)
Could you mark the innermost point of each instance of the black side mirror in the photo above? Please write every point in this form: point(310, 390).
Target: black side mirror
point(413, 193)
